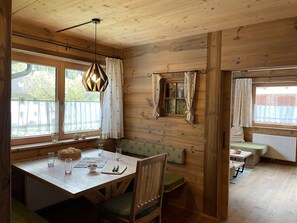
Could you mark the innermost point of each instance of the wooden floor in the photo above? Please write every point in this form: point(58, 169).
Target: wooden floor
point(265, 194)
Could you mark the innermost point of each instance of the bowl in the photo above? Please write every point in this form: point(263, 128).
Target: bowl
point(92, 167)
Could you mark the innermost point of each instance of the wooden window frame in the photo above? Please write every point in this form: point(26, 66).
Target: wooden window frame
point(163, 97)
point(271, 126)
point(60, 66)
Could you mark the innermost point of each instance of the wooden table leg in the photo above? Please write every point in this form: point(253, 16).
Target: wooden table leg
point(97, 197)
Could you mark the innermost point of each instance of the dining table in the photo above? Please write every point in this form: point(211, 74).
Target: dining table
point(97, 186)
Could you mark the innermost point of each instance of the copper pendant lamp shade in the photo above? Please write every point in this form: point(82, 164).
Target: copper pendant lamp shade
point(95, 78)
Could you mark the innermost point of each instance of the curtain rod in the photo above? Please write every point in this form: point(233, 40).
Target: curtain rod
point(178, 72)
point(67, 46)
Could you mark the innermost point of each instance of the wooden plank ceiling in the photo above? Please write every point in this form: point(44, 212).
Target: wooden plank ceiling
point(137, 22)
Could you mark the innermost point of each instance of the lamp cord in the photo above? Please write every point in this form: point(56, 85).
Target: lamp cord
point(95, 39)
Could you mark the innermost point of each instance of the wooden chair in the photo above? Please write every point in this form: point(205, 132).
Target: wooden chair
point(144, 204)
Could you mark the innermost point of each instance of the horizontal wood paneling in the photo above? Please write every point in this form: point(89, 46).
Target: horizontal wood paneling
point(261, 45)
point(181, 54)
point(32, 151)
point(22, 30)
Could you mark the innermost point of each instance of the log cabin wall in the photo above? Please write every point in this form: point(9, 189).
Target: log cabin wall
point(266, 44)
point(256, 46)
point(176, 55)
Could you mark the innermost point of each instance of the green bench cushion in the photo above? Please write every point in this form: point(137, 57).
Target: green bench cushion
point(21, 214)
point(120, 206)
point(255, 148)
point(174, 155)
point(172, 181)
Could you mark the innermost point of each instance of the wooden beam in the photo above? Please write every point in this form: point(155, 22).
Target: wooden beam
point(212, 156)
point(225, 154)
point(5, 86)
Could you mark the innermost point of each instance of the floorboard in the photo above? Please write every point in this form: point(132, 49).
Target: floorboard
point(267, 193)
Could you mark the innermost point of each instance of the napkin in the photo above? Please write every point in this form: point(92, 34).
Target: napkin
point(114, 169)
point(83, 163)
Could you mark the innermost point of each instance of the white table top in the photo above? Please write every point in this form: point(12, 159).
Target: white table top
point(81, 180)
point(242, 155)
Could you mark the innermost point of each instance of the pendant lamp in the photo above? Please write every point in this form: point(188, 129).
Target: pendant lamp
point(95, 78)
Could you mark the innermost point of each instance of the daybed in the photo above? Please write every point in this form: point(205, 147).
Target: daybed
point(255, 148)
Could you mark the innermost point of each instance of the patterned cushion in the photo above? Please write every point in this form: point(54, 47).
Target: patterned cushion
point(175, 155)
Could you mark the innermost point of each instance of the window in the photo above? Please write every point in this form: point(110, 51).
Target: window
point(173, 100)
point(275, 105)
point(82, 109)
point(48, 97)
point(33, 108)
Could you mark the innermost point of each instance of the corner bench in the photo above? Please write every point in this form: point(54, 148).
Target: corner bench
point(145, 149)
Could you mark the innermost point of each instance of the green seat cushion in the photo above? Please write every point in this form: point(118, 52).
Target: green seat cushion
point(172, 181)
point(255, 148)
point(120, 206)
point(21, 214)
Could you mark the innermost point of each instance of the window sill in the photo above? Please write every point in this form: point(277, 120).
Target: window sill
point(273, 128)
point(51, 144)
point(173, 119)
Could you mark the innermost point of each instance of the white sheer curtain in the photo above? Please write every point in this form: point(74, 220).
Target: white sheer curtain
point(189, 90)
point(112, 121)
point(156, 78)
point(242, 109)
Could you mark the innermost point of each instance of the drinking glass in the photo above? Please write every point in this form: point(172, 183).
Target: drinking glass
point(68, 166)
point(51, 159)
point(118, 154)
point(100, 150)
point(54, 137)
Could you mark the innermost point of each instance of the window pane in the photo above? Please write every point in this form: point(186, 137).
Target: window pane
point(170, 106)
point(82, 108)
point(180, 90)
point(180, 106)
point(276, 105)
point(170, 90)
point(33, 93)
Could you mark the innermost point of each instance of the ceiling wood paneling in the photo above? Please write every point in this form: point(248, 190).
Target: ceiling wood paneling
point(137, 22)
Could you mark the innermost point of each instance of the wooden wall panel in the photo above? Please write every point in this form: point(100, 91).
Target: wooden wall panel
point(261, 45)
point(36, 39)
point(5, 86)
point(30, 151)
point(181, 54)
